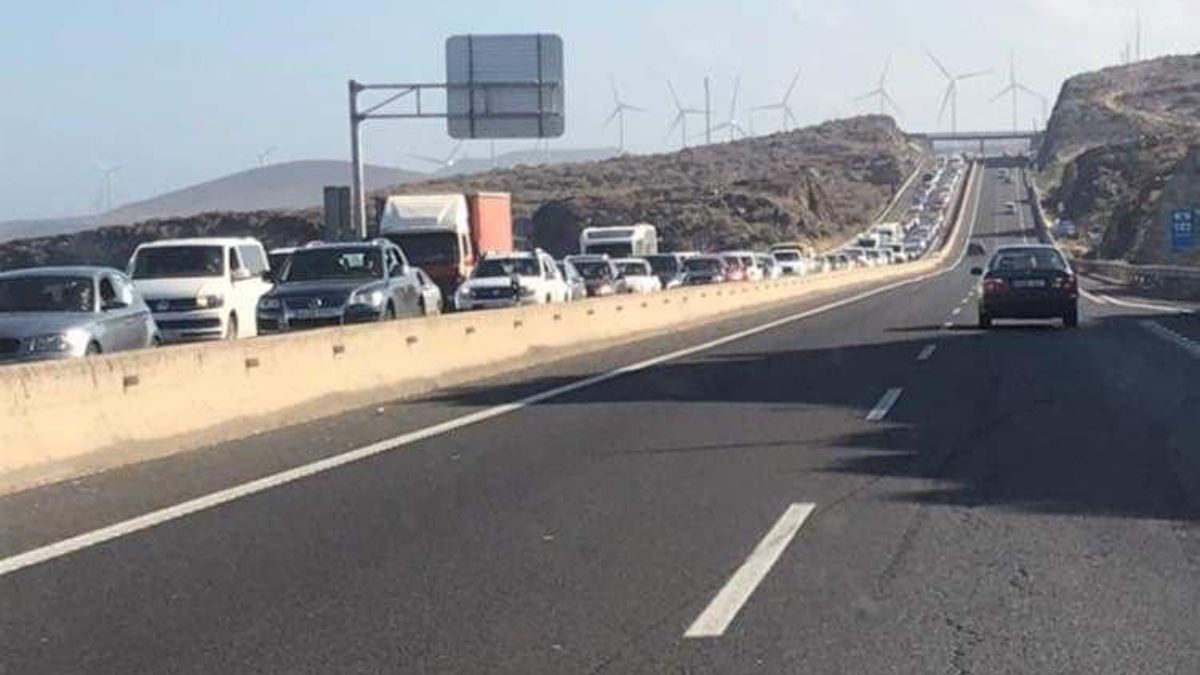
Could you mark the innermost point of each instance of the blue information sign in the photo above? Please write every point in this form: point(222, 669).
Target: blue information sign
point(1183, 229)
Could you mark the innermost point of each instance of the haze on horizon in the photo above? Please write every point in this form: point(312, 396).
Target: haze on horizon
point(186, 91)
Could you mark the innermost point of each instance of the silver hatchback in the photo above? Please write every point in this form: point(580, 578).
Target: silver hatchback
point(64, 312)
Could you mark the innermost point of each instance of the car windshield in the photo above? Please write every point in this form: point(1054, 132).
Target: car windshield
point(315, 264)
point(594, 270)
point(702, 265)
point(506, 267)
point(1024, 260)
point(634, 269)
point(46, 294)
point(663, 264)
point(786, 256)
point(159, 262)
point(427, 248)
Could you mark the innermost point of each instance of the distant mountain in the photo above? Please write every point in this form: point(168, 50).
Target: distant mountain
point(508, 160)
point(281, 187)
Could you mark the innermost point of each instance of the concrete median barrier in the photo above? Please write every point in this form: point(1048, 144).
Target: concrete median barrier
point(70, 418)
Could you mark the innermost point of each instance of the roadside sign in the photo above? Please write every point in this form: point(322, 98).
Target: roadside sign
point(1183, 229)
point(504, 86)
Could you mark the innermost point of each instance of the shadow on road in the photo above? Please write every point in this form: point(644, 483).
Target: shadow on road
point(1024, 417)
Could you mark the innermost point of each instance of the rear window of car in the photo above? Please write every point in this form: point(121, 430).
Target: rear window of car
point(1028, 260)
point(701, 265)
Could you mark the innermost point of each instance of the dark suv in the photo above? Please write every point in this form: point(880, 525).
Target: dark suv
point(336, 284)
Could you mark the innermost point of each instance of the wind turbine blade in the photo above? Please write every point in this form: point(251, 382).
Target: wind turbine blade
point(633, 108)
point(945, 102)
point(616, 111)
point(1029, 91)
point(612, 82)
point(977, 73)
point(791, 87)
point(1006, 91)
point(674, 125)
point(427, 159)
point(870, 94)
point(938, 64)
point(769, 106)
point(674, 96)
point(887, 97)
point(737, 84)
point(791, 117)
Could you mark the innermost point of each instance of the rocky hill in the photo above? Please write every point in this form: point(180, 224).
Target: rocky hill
point(1118, 155)
point(813, 184)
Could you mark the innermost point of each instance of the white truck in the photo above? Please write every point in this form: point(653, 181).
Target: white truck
point(625, 241)
point(889, 232)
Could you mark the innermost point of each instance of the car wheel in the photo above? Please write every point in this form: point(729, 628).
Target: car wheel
point(1071, 319)
point(985, 321)
point(93, 349)
point(155, 342)
point(231, 327)
point(389, 314)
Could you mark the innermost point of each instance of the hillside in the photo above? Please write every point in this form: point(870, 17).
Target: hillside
point(811, 184)
point(1116, 155)
point(814, 184)
point(283, 186)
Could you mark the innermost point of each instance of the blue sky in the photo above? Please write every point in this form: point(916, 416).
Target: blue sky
point(180, 91)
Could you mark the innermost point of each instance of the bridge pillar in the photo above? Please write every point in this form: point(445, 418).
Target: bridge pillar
point(981, 148)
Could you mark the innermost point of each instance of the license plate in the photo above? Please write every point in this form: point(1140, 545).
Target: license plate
point(304, 314)
point(1029, 283)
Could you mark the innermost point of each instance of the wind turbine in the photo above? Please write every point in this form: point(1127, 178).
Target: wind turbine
point(732, 125)
point(681, 115)
point(618, 113)
point(880, 91)
point(784, 105)
point(109, 175)
point(262, 156)
point(441, 162)
point(951, 96)
point(1014, 88)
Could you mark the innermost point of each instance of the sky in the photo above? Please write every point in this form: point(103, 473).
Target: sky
point(176, 92)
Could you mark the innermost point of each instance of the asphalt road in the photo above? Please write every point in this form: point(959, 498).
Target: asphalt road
point(1025, 504)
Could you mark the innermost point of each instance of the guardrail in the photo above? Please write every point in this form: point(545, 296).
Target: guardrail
point(69, 418)
point(1168, 280)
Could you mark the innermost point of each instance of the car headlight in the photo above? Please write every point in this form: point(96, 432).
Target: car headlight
point(373, 298)
point(269, 303)
point(73, 341)
point(209, 301)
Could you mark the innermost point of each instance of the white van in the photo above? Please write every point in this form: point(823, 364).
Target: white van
point(632, 241)
point(201, 289)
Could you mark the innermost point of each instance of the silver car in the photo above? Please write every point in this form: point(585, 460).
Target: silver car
point(64, 312)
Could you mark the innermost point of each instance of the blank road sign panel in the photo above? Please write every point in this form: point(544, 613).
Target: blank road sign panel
point(504, 86)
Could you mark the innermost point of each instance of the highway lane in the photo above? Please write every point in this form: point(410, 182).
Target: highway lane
point(1024, 506)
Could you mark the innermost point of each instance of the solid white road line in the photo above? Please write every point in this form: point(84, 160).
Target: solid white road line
point(926, 352)
point(1146, 305)
point(1094, 298)
point(956, 311)
point(948, 325)
point(885, 404)
point(1187, 344)
point(154, 518)
point(724, 607)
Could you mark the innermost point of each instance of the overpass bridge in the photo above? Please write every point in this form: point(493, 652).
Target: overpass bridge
point(1033, 138)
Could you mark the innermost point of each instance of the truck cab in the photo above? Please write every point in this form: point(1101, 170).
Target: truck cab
point(445, 235)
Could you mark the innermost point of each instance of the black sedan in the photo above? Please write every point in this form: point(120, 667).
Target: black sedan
point(336, 284)
point(1028, 282)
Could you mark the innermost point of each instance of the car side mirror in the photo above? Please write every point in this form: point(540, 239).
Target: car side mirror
point(268, 276)
point(976, 271)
